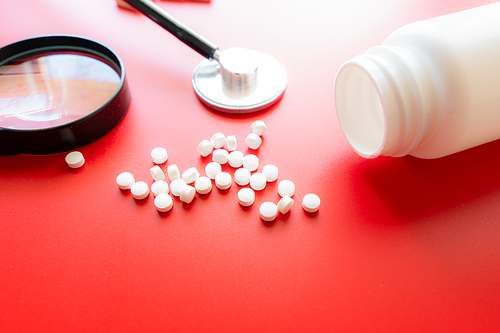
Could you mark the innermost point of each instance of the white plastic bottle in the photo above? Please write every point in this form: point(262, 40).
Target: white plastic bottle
point(431, 89)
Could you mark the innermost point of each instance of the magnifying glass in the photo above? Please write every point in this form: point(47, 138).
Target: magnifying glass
point(58, 93)
point(236, 80)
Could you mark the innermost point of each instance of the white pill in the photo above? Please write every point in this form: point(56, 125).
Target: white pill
point(173, 172)
point(218, 140)
point(164, 202)
point(311, 203)
point(231, 143)
point(177, 185)
point(271, 172)
point(205, 148)
point(251, 162)
point(187, 194)
point(258, 127)
point(223, 181)
point(258, 181)
point(246, 196)
point(253, 141)
point(235, 159)
point(159, 155)
point(285, 204)
point(75, 159)
point(220, 156)
point(190, 175)
point(203, 185)
point(286, 188)
point(268, 211)
point(242, 176)
point(140, 190)
point(157, 173)
point(159, 187)
point(125, 180)
point(212, 169)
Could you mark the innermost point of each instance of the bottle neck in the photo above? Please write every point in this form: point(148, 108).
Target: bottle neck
point(380, 103)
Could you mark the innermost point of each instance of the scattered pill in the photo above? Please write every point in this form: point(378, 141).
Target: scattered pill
point(177, 185)
point(159, 155)
point(159, 187)
point(251, 162)
point(258, 127)
point(75, 159)
point(286, 188)
point(220, 156)
point(125, 180)
point(311, 203)
point(246, 196)
point(285, 204)
point(187, 194)
point(140, 190)
point(223, 180)
point(212, 169)
point(203, 185)
point(258, 181)
point(173, 172)
point(218, 140)
point(190, 175)
point(268, 211)
point(271, 172)
point(253, 141)
point(205, 148)
point(235, 159)
point(231, 143)
point(164, 202)
point(242, 176)
point(157, 173)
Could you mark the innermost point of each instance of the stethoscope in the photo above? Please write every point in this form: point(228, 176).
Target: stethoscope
point(236, 80)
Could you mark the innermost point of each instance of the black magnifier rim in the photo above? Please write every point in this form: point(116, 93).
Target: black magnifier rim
point(77, 133)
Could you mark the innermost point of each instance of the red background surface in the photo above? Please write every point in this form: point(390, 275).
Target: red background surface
point(399, 244)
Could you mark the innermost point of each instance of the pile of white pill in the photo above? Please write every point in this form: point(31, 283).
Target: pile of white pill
point(223, 149)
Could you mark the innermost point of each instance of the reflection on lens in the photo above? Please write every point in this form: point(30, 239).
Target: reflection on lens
point(54, 89)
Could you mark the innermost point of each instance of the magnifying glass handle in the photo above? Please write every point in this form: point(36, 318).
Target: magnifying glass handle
point(183, 33)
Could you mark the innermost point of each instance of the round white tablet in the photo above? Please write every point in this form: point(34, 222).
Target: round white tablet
point(246, 196)
point(187, 194)
point(173, 172)
point(253, 141)
point(258, 181)
point(205, 148)
point(231, 143)
point(157, 173)
point(75, 159)
point(258, 127)
point(140, 190)
point(177, 185)
point(285, 204)
point(159, 155)
point(242, 176)
point(164, 202)
point(251, 162)
point(268, 211)
point(271, 172)
point(203, 185)
point(286, 188)
point(311, 203)
point(218, 140)
point(212, 169)
point(220, 156)
point(223, 181)
point(159, 187)
point(125, 180)
point(190, 175)
point(235, 159)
